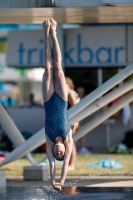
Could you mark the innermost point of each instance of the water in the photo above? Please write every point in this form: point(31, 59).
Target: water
point(68, 192)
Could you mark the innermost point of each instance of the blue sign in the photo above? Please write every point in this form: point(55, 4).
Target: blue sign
point(91, 54)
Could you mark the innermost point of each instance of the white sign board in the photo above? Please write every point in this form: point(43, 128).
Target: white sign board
point(86, 46)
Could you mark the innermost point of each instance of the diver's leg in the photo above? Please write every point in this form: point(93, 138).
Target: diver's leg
point(59, 81)
point(48, 79)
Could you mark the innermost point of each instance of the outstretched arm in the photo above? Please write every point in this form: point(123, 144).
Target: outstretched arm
point(68, 152)
point(49, 149)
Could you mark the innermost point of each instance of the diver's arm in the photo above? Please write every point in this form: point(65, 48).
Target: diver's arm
point(49, 149)
point(68, 152)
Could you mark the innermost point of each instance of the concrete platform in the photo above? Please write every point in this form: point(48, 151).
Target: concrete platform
point(35, 173)
point(94, 181)
point(2, 178)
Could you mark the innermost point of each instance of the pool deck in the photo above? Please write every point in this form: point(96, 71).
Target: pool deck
point(98, 181)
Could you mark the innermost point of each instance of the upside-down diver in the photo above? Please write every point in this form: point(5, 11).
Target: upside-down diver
point(58, 130)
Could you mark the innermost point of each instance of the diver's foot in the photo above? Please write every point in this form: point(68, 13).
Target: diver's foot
point(46, 26)
point(53, 27)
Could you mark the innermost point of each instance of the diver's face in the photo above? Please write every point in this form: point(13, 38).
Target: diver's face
point(59, 151)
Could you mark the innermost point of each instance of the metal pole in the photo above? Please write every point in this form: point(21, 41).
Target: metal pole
point(102, 102)
point(103, 116)
point(100, 76)
point(12, 131)
point(107, 135)
point(100, 90)
point(49, 3)
point(107, 124)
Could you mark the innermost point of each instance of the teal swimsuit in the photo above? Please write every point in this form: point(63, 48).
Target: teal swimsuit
point(56, 118)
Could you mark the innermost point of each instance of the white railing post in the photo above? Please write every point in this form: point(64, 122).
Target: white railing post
point(103, 116)
point(102, 102)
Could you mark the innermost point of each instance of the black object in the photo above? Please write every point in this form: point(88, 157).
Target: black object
point(5, 143)
point(128, 141)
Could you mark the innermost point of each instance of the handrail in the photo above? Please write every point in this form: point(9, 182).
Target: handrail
point(103, 116)
point(105, 87)
point(102, 102)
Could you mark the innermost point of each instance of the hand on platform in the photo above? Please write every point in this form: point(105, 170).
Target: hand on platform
point(57, 186)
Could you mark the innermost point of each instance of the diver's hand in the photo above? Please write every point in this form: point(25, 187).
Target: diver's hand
point(57, 186)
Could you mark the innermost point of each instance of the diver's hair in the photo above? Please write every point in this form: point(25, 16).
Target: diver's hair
point(59, 159)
